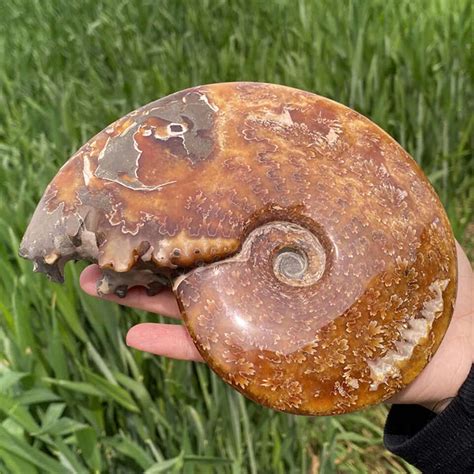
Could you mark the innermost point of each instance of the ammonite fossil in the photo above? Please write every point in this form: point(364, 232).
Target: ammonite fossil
point(313, 263)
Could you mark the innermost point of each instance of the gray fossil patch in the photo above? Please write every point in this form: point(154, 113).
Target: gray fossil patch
point(190, 119)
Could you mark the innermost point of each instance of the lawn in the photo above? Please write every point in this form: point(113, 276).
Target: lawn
point(73, 397)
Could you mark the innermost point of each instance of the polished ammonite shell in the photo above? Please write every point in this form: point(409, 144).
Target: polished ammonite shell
point(313, 263)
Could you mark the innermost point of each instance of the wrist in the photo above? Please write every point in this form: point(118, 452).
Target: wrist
point(438, 407)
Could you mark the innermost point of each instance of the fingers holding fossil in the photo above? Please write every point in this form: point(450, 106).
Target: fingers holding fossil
point(163, 339)
point(163, 303)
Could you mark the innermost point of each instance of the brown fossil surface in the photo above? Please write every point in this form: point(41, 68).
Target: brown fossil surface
point(313, 263)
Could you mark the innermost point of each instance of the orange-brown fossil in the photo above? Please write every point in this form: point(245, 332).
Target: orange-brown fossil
point(313, 263)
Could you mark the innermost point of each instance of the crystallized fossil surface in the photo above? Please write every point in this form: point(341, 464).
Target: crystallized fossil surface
point(313, 263)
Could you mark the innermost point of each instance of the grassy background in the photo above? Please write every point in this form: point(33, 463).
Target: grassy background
point(73, 397)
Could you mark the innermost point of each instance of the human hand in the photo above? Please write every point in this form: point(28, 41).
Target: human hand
point(440, 380)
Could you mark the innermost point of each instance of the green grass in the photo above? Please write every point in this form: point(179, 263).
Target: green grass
point(73, 397)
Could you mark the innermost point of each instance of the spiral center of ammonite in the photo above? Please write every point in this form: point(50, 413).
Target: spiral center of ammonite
point(301, 261)
point(291, 263)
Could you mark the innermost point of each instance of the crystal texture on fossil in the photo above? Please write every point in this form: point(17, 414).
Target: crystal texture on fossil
point(313, 263)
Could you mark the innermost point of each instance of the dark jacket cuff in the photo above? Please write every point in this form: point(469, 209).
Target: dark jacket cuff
point(441, 443)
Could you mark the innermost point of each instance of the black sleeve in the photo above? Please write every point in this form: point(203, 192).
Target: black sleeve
point(433, 443)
